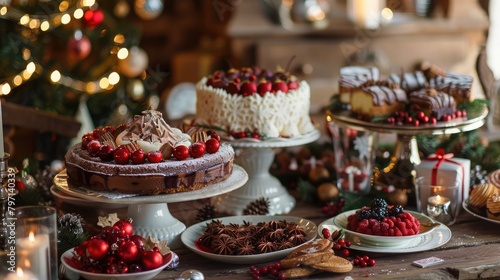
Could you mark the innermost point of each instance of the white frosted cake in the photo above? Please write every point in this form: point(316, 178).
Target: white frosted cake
point(254, 103)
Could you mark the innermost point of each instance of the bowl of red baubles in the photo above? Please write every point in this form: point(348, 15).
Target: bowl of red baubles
point(115, 252)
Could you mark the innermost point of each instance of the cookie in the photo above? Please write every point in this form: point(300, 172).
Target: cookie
point(316, 245)
point(307, 258)
point(333, 264)
point(298, 272)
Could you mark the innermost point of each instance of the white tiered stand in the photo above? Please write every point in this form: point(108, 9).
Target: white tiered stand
point(256, 157)
point(150, 214)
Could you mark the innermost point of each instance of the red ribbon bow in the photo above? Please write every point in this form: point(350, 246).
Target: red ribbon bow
point(441, 157)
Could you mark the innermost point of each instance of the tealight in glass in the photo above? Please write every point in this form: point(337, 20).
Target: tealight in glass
point(440, 202)
point(36, 241)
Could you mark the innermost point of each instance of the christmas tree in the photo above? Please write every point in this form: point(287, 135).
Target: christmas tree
point(77, 58)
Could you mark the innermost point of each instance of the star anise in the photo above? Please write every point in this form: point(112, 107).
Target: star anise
point(223, 245)
point(264, 246)
point(245, 248)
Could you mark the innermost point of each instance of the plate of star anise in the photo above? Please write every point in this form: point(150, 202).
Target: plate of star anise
point(248, 239)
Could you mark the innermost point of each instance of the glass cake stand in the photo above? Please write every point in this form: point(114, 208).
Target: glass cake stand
point(256, 157)
point(400, 172)
point(150, 213)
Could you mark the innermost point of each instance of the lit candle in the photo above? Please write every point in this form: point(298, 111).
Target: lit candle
point(438, 207)
point(438, 200)
point(21, 274)
point(33, 254)
point(1, 133)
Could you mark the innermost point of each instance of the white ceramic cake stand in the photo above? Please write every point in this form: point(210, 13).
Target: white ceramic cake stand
point(150, 214)
point(256, 157)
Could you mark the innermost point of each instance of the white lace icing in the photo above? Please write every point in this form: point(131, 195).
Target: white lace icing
point(274, 115)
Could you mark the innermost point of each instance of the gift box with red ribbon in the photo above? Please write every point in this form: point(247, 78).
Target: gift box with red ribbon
point(442, 168)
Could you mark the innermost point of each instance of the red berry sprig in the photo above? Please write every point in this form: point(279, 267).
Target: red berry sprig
point(272, 270)
point(363, 261)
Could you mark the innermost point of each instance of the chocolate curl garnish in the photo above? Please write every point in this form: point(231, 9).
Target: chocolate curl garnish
point(200, 136)
point(108, 139)
point(132, 147)
point(166, 150)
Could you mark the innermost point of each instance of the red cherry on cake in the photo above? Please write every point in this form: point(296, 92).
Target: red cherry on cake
point(93, 147)
point(98, 132)
point(138, 156)
point(219, 84)
point(214, 135)
point(181, 152)
point(105, 153)
point(86, 140)
point(264, 87)
point(433, 120)
point(154, 156)
point(421, 115)
point(293, 83)
point(248, 88)
point(279, 85)
point(233, 88)
point(121, 155)
point(109, 128)
point(212, 145)
point(197, 149)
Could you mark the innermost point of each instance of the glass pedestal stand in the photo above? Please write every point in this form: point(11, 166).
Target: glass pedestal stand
point(150, 214)
point(256, 157)
point(400, 172)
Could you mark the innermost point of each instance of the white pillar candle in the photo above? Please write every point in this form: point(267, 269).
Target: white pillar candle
point(33, 254)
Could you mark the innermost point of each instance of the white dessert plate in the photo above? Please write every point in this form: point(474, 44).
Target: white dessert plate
point(72, 273)
point(383, 241)
point(194, 232)
point(434, 239)
point(465, 205)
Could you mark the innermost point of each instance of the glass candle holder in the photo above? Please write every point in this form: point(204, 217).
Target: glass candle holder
point(440, 202)
point(354, 157)
point(36, 241)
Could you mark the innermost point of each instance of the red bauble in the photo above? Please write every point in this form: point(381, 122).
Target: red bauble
point(121, 156)
point(151, 260)
point(181, 152)
point(128, 251)
point(212, 145)
point(97, 249)
point(155, 156)
point(79, 47)
point(125, 226)
point(93, 18)
point(138, 157)
point(197, 149)
point(137, 239)
point(20, 185)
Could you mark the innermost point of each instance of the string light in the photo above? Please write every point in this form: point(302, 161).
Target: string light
point(47, 22)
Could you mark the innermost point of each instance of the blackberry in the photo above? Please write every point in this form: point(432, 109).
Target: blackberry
point(379, 203)
point(396, 210)
point(379, 213)
point(364, 214)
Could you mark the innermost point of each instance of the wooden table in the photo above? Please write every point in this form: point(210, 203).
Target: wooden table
point(472, 253)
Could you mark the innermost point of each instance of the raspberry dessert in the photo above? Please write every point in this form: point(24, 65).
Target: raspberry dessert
point(383, 220)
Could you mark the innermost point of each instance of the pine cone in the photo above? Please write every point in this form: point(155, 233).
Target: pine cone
point(257, 207)
point(207, 212)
